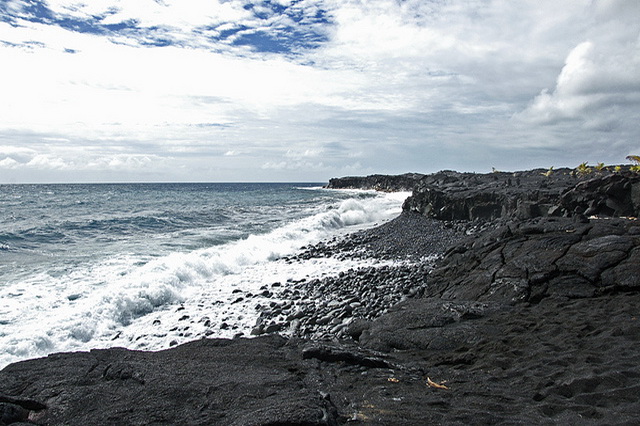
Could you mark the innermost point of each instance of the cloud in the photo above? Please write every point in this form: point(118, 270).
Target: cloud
point(241, 26)
point(9, 163)
point(293, 165)
point(220, 88)
point(44, 162)
point(595, 102)
point(304, 153)
point(45, 157)
point(108, 88)
point(17, 152)
point(593, 79)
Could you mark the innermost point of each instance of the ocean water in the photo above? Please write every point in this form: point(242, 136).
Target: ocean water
point(148, 266)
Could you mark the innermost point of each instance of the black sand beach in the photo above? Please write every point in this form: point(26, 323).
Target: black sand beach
point(528, 316)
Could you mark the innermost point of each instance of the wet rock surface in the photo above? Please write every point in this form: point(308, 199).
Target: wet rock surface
point(410, 236)
point(523, 320)
point(338, 307)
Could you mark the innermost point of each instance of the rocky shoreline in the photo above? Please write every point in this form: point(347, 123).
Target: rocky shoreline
point(339, 307)
point(504, 298)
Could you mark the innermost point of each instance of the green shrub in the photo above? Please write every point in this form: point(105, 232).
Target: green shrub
point(583, 169)
point(548, 172)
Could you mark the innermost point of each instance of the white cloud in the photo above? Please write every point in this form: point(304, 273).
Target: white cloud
point(16, 151)
point(277, 166)
point(86, 159)
point(304, 153)
point(9, 163)
point(177, 14)
point(400, 85)
point(42, 161)
point(599, 86)
point(293, 165)
point(109, 88)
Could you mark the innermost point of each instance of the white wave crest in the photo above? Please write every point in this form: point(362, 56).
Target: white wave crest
point(99, 304)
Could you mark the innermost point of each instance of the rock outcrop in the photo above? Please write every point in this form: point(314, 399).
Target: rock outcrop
point(520, 264)
point(404, 182)
point(206, 382)
point(531, 260)
point(523, 195)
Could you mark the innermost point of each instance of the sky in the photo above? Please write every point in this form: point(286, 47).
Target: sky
point(306, 90)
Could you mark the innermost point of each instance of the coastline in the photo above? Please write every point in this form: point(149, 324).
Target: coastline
point(190, 264)
point(529, 316)
point(402, 253)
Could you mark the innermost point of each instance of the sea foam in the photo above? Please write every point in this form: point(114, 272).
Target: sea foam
point(153, 302)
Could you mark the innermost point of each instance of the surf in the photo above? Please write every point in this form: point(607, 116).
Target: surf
point(137, 300)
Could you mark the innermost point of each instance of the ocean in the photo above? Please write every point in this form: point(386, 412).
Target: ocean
point(149, 266)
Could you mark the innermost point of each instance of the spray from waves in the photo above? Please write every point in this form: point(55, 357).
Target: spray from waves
point(96, 305)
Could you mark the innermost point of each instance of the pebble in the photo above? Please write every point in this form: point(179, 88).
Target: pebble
point(328, 307)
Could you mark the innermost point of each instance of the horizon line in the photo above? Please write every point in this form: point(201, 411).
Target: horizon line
point(159, 182)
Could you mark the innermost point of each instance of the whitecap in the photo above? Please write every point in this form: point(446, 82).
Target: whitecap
point(138, 301)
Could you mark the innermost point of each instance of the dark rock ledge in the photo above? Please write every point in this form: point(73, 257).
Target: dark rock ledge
point(451, 195)
point(405, 182)
point(530, 317)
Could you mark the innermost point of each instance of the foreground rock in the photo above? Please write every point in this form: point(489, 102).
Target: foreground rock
point(237, 382)
point(529, 319)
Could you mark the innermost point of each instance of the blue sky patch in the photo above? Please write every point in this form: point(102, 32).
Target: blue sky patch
point(287, 41)
point(266, 33)
point(309, 32)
